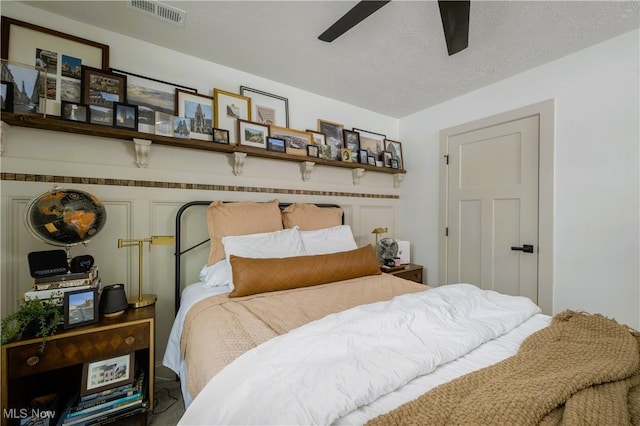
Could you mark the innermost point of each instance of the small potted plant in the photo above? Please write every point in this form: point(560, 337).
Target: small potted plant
point(36, 317)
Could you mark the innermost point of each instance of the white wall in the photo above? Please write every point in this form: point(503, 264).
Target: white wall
point(597, 139)
point(139, 212)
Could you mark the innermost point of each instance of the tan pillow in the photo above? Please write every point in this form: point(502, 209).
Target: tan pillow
point(253, 276)
point(241, 218)
point(310, 217)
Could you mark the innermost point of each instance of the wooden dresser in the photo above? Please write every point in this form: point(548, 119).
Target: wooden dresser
point(27, 373)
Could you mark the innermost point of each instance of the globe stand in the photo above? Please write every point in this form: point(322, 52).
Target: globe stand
point(144, 299)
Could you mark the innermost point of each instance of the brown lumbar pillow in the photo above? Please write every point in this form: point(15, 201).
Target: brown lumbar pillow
point(253, 276)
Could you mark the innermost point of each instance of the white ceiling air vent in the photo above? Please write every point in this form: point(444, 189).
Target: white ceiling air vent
point(161, 11)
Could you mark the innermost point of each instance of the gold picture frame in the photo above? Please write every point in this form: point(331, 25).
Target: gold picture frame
point(228, 108)
point(296, 140)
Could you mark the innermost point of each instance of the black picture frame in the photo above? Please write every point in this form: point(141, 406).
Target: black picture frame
point(6, 92)
point(276, 145)
point(313, 151)
point(102, 88)
point(104, 374)
point(151, 95)
point(363, 156)
point(80, 307)
point(125, 116)
point(371, 160)
point(394, 163)
point(274, 105)
point(352, 142)
point(74, 111)
point(220, 136)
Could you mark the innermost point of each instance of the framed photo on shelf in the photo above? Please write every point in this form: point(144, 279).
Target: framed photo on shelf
point(6, 91)
point(229, 107)
point(107, 373)
point(345, 155)
point(352, 141)
point(318, 138)
point(363, 156)
point(386, 158)
point(221, 136)
point(28, 78)
point(59, 55)
point(372, 142)
point(125, 116)
point(80, 307)
point(151, 95)
point(313, 151)
point(394, 163)
point(276, 145)
point(198, 108)
point(73, 111)
point(334, 137)
point(267, 108)
point(296, 140)
point(102, 116)
point(163, 124)
point(103, 88)
point(395, 148)
point(181, 127)
point(371, 160)
point(252, 134)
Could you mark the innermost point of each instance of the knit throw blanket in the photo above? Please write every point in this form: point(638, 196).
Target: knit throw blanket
point(581, 370)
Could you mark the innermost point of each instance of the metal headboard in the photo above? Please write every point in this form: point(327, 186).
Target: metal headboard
point(178, 236)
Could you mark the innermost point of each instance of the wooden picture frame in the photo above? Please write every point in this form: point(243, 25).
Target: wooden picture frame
point(103, 88)
point(221, 136)
point(296, 140)
point(229, 107)
point(276, 144)
point(318, 138)
point(73, 111)
point(252, 134)
point(125, 116)
point(6, 93)
point(198, 108)
point(60, 55)
point(107, 373)
point(267, 108)
point(80, 307)
point(395, 148)
point(352, 141)
point(151, 95)
point(334, 136)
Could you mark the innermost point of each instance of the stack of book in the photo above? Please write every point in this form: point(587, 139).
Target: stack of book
point(53, 287)
point(106, 406)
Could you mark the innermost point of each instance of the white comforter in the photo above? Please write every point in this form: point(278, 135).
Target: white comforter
point(320, 372)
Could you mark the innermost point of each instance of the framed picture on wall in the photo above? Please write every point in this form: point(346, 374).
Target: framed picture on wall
point(221, 136)
point(334, 137)
point(73, 111)
point(199, 109)
point(276, 145)
point(267, 108)
point(296, 140)
point(125, 116)
point(228, 108)
point(395, 148)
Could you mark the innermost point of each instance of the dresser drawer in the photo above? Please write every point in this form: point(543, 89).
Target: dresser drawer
point(70, 350)
point(411, 275)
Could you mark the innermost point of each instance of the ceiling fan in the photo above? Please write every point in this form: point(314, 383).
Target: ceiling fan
point(453, 13)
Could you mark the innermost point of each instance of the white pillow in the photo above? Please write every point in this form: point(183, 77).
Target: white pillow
point(328, 240)
point(277, 244)
point(216, 275)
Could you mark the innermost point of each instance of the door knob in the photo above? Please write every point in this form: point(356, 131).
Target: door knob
point(527, 248)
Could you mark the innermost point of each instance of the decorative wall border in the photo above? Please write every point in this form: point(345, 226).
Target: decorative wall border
point(26, 177)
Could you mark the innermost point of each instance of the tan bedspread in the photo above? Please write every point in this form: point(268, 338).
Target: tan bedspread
point(581, 370)
point(219, 329)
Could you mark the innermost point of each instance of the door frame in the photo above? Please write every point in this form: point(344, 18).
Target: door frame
point(545, 110)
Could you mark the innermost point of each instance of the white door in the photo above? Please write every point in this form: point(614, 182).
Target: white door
point(492, 207)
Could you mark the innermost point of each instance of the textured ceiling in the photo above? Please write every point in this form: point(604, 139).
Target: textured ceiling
point(394, 62)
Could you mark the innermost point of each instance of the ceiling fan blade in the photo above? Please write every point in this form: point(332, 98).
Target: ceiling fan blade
point(455, 22)
point(350, 19)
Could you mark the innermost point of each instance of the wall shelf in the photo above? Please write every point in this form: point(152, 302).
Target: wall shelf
point(56, 124)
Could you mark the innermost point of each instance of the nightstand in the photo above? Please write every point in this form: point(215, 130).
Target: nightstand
point(410, 272)
point(27, 373)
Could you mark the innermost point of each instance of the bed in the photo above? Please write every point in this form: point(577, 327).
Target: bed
point(292, 323)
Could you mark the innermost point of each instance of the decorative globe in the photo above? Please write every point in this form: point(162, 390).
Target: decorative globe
point(65, 217)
